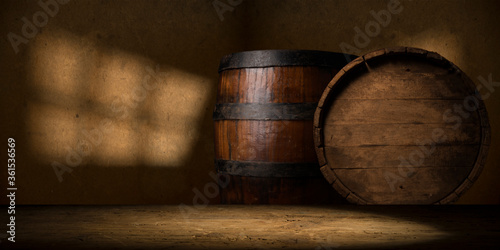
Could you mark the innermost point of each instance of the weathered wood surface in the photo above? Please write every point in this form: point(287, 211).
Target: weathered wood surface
point(402, 85)
point(264, 115)
point(397, 134)
point(407, 183)
point(381, 157)
point(394, 111)
point(256, 227)
point(293, 84)
point(272, 141)
point(400, 108)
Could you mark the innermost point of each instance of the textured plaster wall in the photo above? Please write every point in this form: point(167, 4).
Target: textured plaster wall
point(121, 92)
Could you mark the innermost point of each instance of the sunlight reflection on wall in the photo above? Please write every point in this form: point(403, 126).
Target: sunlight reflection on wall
point(151, 110)
point(445, 43)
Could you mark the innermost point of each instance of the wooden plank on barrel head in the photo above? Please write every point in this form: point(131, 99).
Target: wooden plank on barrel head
point(388, 186)
point(393, 156)
point(402, 85)
point(391, 111)
point(398, 134)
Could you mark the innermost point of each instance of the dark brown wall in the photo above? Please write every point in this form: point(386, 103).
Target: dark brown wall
point(86, 66)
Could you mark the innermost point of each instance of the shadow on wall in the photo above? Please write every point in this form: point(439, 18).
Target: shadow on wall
point(116, 100)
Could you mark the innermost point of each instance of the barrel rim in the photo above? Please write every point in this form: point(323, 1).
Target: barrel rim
point(279, 58)
point(434, 57)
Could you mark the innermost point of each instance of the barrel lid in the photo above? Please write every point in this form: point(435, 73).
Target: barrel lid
point(401, 126)
point(269, 58)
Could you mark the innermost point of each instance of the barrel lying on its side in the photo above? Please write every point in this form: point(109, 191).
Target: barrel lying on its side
point(263, 126)
point(401, 126)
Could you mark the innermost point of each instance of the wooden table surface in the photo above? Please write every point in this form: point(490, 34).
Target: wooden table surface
point(250, 227)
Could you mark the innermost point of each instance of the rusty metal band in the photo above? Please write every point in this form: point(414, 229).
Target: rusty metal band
point(280, 58)
point(267, 169)
point(264, 111)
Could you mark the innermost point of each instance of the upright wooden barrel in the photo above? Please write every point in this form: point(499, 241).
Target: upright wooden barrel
point(264, 147)
point(401, 126)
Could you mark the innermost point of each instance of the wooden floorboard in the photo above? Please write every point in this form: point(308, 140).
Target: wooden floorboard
point(251, 227)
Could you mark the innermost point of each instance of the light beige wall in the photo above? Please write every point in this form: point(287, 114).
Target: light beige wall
point(86, 66)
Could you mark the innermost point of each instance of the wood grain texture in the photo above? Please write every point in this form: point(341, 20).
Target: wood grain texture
point(292, 84)
point(404, 85)
point(383, 156)
point(401, 126)
point(271, 139)
point(394, 111)
point(425, 185)
point(256, 227)
point(399, 134)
